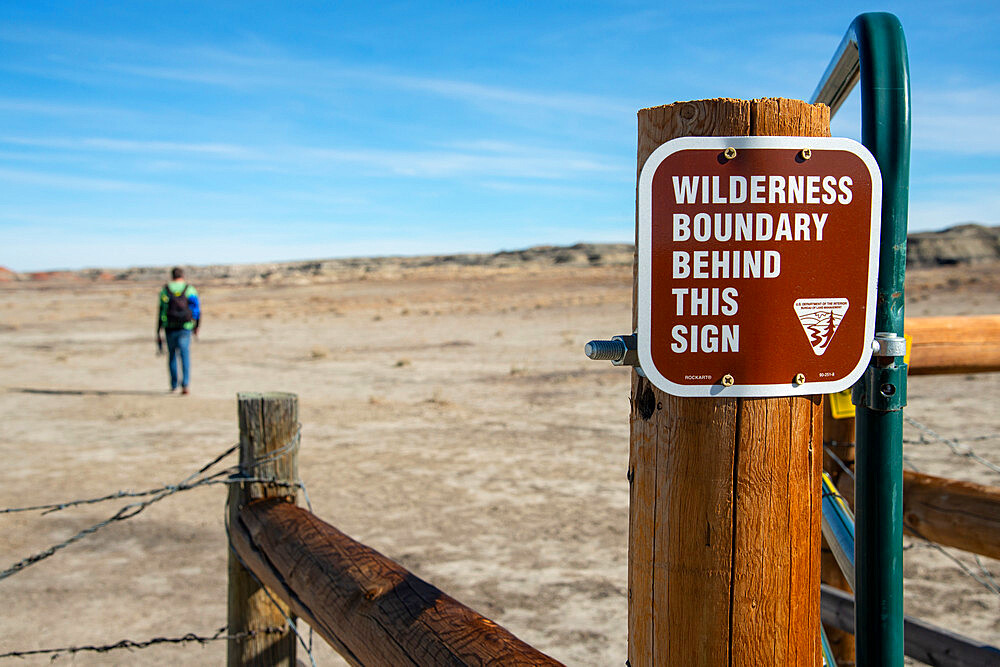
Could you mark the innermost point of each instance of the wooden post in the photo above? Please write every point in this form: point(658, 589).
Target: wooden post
point(838, 440)
point(724, 515)
point(269, 428)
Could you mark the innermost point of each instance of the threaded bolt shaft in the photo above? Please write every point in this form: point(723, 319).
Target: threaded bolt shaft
point(605, 350)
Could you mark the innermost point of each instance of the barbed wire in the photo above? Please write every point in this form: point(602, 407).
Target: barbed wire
point(130, 644)
point(986, 582)
point(55, 507)
point(233, 479)
point(971, 438)
point(231, 475)
point(838, 460)
point(956, 447)
point(907, 461)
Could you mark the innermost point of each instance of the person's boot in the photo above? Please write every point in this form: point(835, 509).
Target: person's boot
point(184, 390)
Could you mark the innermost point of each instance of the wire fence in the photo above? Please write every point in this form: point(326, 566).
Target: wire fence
point(232, 475)
point(199, 478)
point(958, 448)
point(146, 643)
point(984, 577)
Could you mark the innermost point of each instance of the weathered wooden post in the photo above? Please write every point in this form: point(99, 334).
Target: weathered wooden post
point(269, 437)
point(724, 517)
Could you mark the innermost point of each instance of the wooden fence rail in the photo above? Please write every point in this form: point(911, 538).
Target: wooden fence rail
point(954, 344)
point(370, 609)
point(964, 515)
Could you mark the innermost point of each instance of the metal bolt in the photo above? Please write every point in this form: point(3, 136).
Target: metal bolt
point(620, 350)
point(729, 153)
point(605, 350)
point(800, 379)
point(887, 389)
point(727, 379)
point(806, 153)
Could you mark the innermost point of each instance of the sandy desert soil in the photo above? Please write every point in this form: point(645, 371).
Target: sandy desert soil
point(449, 419)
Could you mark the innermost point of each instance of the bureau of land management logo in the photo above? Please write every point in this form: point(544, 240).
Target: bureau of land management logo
point(820, 319)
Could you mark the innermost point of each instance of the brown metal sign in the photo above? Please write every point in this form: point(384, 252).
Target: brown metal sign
point(758, 258)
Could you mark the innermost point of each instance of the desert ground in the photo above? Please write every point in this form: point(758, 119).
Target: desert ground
point(449, 420)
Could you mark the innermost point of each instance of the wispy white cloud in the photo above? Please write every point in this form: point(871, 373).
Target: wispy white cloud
point(47, 108)
point(132, 146)
point(71, 182)
point(540, 163)
point(469, 159)
point(267, 68)
point(479, 94)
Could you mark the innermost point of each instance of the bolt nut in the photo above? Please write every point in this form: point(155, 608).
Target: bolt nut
point(806, 153)
point(729, 153)
point(727, 379)
point(800, 379)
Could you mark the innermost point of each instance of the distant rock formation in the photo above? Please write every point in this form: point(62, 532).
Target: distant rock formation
point(963, 244)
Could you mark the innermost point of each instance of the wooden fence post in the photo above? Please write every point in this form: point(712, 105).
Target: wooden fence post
point(269, 434)
point(724, 513)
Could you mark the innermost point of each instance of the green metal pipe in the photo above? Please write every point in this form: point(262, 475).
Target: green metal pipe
point(874, 51)
point(885, 131)
point(878, 557)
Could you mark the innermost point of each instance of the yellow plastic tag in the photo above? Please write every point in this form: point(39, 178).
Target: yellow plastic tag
point(840, 405)
point(909, 344)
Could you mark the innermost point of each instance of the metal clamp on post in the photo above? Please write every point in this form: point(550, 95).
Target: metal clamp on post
point(620, 351)
point(888, 345)
point(883, 386)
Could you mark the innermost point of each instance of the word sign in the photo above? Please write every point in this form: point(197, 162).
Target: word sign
point(758, 258)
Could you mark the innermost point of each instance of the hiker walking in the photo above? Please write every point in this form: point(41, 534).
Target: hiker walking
point(179, 315)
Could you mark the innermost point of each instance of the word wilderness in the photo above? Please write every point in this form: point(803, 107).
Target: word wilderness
point(754, 264)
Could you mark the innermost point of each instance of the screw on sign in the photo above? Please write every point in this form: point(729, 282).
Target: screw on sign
point(758, 258)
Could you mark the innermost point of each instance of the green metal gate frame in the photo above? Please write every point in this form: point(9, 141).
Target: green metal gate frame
point(874, 52)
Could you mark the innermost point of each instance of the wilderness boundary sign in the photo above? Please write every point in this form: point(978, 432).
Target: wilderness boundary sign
point(758, 258)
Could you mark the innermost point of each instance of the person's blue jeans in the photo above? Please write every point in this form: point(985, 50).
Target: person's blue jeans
point(179, 344)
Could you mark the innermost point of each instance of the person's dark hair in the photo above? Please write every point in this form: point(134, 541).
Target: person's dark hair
point(176, 272)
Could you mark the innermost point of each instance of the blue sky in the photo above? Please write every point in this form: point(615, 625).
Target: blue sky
point(151, 133)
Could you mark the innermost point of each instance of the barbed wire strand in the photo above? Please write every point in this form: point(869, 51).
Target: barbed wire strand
point(909, 462)
point(956, 447)
point(126, 512)
point(133, 509)
point(130, 644)
point(839, 461)
point(985, 571)
point(55, 507)
point(971, 438)
point(234, 479)
point(986, 583)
